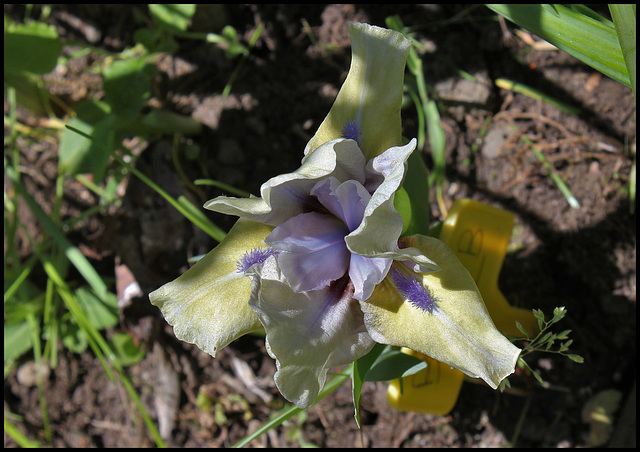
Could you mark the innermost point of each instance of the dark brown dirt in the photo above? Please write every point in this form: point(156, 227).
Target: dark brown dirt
point(583, 259)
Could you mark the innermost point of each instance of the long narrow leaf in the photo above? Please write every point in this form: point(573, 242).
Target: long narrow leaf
point(99, 346)
point(437, 141)
point(292, 410)
point(19, 279)
point(198, 218)
point(562, 186)
point(34, 327)
point(18, 436)
point(593, 42)
point(624, 19)
point(534, 94)
point(73, 254)
point(416, 183)
point(359, 373)
point(393, 364)
point(223, 186)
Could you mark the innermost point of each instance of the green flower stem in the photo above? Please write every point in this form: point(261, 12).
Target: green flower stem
point(292, 410)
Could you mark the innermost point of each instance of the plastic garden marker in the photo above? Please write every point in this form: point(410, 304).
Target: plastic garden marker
point(433, 390)
point(479, 235)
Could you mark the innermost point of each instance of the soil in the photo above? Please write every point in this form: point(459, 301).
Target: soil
point(583, 259)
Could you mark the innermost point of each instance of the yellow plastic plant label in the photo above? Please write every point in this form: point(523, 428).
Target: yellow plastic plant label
point(479, 235)
point(433, 390)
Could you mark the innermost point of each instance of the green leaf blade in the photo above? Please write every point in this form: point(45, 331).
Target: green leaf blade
point(173, 17)
point(358, 375)
point(32, 47)
point(624, 19)
point(593, 42)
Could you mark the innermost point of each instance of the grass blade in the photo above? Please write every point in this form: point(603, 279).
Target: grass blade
point(292, 410)
point(196, 216)
point(18, 437)
point(534, 94)
point(99, 346)
point(562, 186)
point(594, 42)
point(71, 252)
point(624, 19)
point(223, 186)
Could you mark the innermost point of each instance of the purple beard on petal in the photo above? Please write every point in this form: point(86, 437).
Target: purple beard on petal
point(413, 290)
point(351, 130)
point(254, 256)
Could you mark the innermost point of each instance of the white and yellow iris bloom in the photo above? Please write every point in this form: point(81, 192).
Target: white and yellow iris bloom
point(318, 259)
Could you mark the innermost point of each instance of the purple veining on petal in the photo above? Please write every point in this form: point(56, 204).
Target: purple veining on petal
point(313, 250)
point(254, 256)
point(352, 131)
point(413, 290)
point(335, 292)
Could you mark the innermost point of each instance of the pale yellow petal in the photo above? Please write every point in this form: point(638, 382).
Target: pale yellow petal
point(459, 332)
point(209, 304)
point(372, 92)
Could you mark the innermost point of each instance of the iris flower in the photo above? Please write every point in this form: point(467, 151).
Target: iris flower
point(318, 259)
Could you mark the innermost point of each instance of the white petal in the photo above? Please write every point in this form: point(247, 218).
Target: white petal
point(288, 195)
point(307, 333)
point(378, 234)
point(366, 273)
